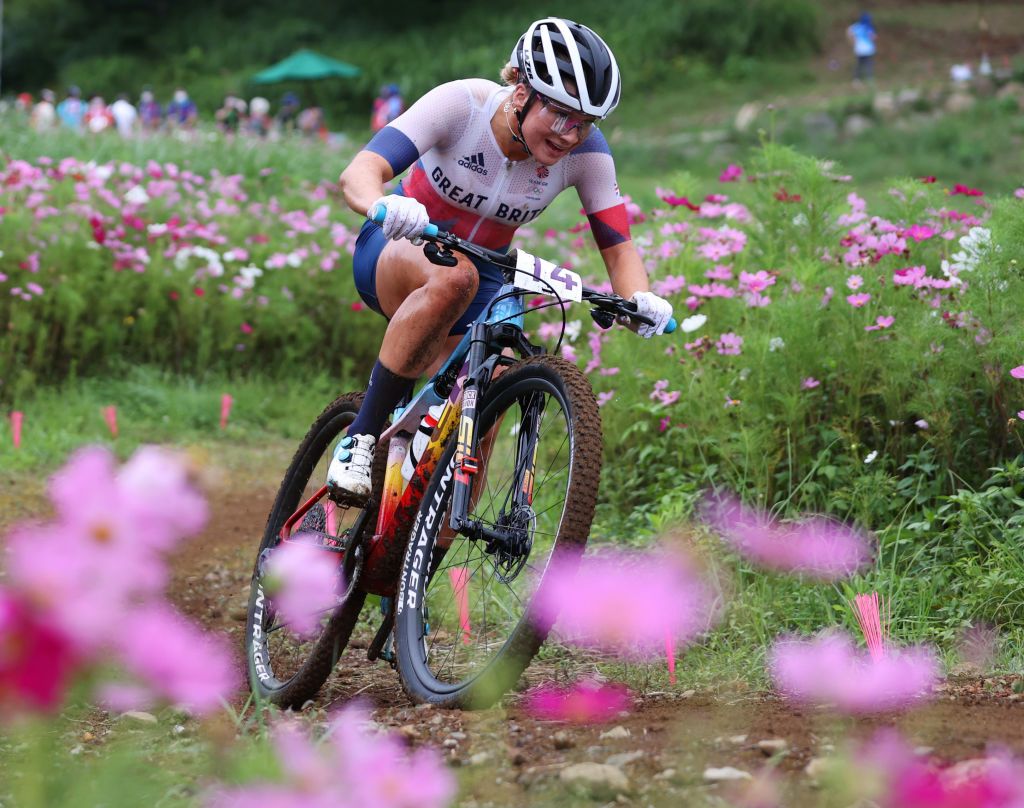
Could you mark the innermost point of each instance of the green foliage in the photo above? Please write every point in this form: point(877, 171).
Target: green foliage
point(188, 314)
point(214, 48)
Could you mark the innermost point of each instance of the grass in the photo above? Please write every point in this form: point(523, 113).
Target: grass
point(156, 407)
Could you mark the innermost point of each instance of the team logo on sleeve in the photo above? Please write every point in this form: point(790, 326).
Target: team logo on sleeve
point(474, 162)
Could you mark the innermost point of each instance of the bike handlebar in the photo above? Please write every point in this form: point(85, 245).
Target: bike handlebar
point(606, 302)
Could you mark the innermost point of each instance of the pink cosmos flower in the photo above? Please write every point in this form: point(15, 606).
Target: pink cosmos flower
point(757, 281)
point(670, 198)
point(350, 767)
point(376, 769)
point(809, 383)
point(920, 232)
point(881, 322)
point(1018, 372)
point(859, 299)
point(604, 398)
point(175, 660)
point(664, 424)
point(1020, 414)
point(909, 780)
point(818, 547)
point(960, 188)
point(583, 703)
point(829, 670)
point(625, 603)
point(304, 581)
point(661, 394)
point(36, 658)
point(729, 344)
point(732, 173)
point(854, 282)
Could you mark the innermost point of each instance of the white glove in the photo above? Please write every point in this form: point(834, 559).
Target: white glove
point(657, 308)
point(406, 217)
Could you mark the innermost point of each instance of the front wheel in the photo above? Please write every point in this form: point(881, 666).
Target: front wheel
point(464, 631)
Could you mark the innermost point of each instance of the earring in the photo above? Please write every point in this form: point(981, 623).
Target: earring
point(508, 106)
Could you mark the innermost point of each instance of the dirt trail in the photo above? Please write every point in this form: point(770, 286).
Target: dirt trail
point(664, 743)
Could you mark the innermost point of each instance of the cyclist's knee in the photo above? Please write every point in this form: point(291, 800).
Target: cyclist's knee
point(454, 287)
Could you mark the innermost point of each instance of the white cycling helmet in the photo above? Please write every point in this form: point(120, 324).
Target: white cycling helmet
point(554, 51)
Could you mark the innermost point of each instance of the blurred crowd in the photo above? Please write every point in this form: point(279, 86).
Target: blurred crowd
point(179, 115)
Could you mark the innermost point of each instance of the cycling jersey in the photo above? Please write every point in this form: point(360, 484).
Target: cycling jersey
point(471, 189)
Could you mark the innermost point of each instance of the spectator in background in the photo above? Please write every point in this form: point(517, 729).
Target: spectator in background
point(259, 117)
point(182, 112)
point(23, 104)
point(126, 117)
point(151, 115)
point(862, 36)
point(72, 109)
point(98, 117)
point(287, 116)
point(386, 107)
point(311, 123)
point(229, 116)
point(44, 114)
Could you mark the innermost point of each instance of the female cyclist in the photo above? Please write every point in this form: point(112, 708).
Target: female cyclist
point(485, 160)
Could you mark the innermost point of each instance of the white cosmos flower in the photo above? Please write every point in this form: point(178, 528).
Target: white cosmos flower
point(693, 323)
point(137, 196)
point(871, 457)
point(572, 330)
point(776, 344)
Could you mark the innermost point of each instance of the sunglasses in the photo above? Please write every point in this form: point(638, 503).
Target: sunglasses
point(562, 120)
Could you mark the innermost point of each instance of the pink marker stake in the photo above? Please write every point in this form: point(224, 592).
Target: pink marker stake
point(225, 409)
point(869, 616)
point(110, 416)
point(332, 518)
point(460, 578)
point(670, 655)
point(17, 418)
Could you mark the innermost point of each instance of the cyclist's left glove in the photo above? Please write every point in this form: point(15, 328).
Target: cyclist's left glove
point(656, 308)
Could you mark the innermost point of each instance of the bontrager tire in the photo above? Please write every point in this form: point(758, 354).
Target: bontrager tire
point(284, 669)
point(464, 632)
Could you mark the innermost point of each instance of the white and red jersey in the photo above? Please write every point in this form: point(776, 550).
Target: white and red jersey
point(470, 188)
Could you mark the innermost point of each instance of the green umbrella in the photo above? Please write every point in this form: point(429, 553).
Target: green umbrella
point(306, 65)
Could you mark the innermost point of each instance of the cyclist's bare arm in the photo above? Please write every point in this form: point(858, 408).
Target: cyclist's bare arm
point(362, 182)
point(625, 269)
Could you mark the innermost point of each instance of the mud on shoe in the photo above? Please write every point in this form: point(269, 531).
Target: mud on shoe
point(348, 478)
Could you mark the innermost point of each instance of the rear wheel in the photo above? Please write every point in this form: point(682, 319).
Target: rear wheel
point(284, 668)
point(463, 631)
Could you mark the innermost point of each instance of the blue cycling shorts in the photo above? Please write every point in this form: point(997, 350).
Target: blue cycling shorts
point(370, 244)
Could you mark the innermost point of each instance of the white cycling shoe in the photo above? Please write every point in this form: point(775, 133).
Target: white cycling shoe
point(348, 477)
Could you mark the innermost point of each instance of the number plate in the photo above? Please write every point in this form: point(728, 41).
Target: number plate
point(538, 275)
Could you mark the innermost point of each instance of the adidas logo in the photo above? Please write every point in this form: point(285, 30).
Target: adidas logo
point(475, 162)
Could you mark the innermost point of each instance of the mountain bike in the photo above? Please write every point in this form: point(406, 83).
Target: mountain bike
point(483, 479)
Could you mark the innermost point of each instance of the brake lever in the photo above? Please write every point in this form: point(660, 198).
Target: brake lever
point(442, 257)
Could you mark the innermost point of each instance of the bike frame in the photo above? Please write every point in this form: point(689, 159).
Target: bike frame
point(467, 372)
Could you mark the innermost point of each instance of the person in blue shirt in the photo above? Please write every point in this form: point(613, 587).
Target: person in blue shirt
point(862, 36)
point(181, 112)
point(71, 110)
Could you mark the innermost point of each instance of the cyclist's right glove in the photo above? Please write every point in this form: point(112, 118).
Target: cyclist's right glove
point(405, 218)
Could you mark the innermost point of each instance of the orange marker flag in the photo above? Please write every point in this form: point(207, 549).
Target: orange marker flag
point(225, 409)
point(110, 416)
point(460, 578)
point(17, 418)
